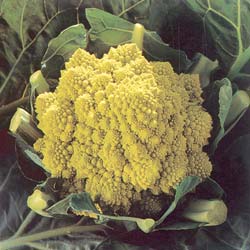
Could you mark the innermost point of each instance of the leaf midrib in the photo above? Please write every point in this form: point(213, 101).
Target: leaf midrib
point(59, 48)
point(235, 26)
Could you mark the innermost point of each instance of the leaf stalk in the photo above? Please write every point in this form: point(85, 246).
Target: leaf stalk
point(25, 240)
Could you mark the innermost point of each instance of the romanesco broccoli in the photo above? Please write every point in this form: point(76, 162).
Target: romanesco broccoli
point(123, 125)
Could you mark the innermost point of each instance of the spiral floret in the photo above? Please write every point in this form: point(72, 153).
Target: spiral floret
point(197, 127)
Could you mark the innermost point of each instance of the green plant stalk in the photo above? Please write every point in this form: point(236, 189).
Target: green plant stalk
point(146, 225)
point(239, 63)
point(31, 215)
point(22, 124)
point(38, 82)
point(137, 35)
point(24, 240)
point(212, 212)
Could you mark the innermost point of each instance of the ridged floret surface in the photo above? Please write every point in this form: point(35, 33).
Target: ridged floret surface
point(124, 126)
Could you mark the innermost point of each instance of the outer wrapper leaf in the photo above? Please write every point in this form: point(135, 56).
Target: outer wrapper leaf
point(225, 99)
point(61, 48)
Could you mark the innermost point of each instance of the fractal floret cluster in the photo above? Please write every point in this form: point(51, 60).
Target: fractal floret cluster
point(123, 126)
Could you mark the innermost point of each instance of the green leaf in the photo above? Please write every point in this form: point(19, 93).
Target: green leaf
point(111, 30)
point(60, 208)
point(186, 186)
point(77, 202)
point(226, 23)
point(29, 151)
point(219, 105)
point(62, 46)
point(82, 202)
point(29, 162)
point(236, 110)
point(225, 99)
point(162, 13)
point(35, 158)
point(224, 103)
point(156, 50)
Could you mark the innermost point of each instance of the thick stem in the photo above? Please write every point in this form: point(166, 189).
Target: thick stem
point(38, 82)
point(213, 212)
point(38, 202)
point(197, 216)
point(23, 125)
point(137, 36)
point(146, 225)
point(25, 223)
point(11, 107)
point(24, 240)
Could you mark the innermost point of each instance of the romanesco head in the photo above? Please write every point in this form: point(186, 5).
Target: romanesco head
point(123, 126)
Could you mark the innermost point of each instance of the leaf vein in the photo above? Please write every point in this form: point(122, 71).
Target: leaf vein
point(57, 49)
